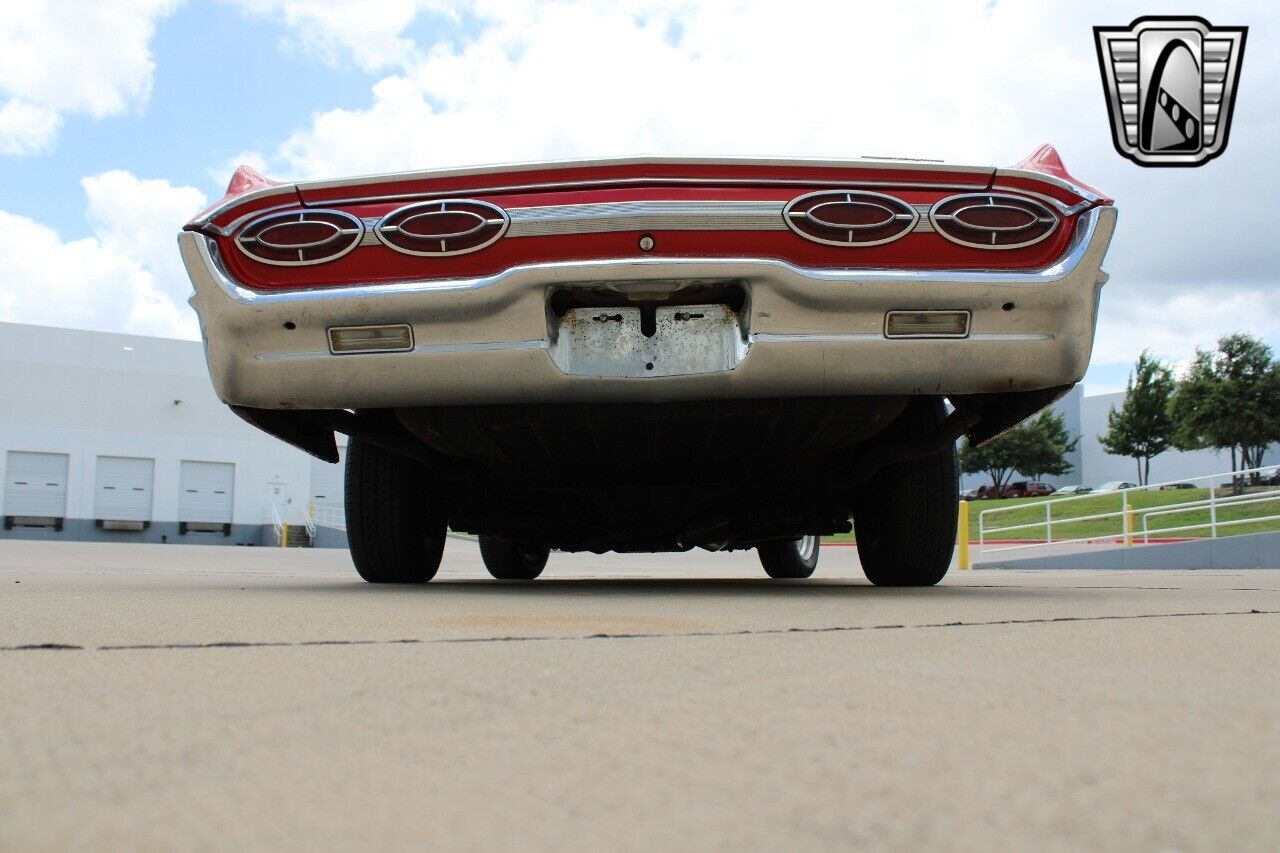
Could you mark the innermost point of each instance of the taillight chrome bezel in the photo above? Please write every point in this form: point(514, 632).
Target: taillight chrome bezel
point(490, 217)
point(352, 228)
point(942, 219)
point(798, 214)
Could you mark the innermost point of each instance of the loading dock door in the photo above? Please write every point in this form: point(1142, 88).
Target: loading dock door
point(123, 490)
point(204, 492)
point(35, 485)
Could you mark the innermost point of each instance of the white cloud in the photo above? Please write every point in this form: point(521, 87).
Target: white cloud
point(140, 219)
point(1172, 326)
point(557, 80)
point(126, 277)
point(339, 31)
point(60, 56)
point(967, 81)
point(26, 129)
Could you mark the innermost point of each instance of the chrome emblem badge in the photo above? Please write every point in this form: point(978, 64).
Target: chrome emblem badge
point(1170, 85)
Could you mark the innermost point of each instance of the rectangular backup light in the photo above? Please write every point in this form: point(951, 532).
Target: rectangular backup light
point(347, 340)
point(926, 324)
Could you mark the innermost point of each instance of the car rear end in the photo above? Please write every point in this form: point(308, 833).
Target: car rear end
point(647, 280)
point(654, 353)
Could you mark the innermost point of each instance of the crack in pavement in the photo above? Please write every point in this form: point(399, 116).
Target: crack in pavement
point(744, 632)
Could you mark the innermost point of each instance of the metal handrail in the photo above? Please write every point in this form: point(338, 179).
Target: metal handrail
point(328, 515)
point(1213, 524)
point(273, 518)
point(308, 519)
point(1127, 512)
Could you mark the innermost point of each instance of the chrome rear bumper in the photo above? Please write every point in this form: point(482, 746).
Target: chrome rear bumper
point(806, 332)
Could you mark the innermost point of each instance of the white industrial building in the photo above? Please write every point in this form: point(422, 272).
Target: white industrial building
point(1168, 466)
point(120, 437)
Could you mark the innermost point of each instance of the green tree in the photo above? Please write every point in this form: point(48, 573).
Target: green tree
point(1142, 427)
point(1229, 399)
point(1034, 448)
point(997, 458)
point(1046, 445)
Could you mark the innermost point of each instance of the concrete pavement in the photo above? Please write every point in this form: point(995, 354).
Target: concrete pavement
point(198, 697)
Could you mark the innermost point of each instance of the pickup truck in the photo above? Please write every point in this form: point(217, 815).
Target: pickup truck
point(651, 354)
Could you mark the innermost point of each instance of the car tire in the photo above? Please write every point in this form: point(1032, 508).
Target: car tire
point(513, 561)
point(906, 523)
point(395, 526)
point(791, 558)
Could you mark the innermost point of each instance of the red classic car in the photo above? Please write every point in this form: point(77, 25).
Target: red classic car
point(651, 353)
point(1023, 489)
point(982, 493)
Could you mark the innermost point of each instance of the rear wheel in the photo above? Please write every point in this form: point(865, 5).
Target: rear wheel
point(395, 528)
point(513, 561)
point(906, 524)
point(793, 558)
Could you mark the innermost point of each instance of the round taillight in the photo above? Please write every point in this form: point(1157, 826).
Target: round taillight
point(449, 227)
point(301, 237)
point(991, 221)
point(850, 218)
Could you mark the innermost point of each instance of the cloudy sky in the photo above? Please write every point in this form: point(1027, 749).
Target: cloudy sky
point(121, 118)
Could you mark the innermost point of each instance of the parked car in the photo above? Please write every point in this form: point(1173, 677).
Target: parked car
point(1115, 486)
point(1074, 490)
point(1024, 489)
point(982, 493)
point(651, 354)
point(1274, 479)
point(1169, 487)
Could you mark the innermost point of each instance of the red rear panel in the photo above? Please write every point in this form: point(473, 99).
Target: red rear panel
point(603, 184)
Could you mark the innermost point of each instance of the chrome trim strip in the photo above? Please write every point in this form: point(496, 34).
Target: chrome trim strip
point(934, 216)
point(631, 182)
point(483, 347)
point(878, 337)
point(1086, 226)
point(265, 192)
point(557, 165)
point(645, 215)
point(1041, 197)
point(235, 224)
point(814, 337)
point(302, 355)
point(604, 217)
point(923, 225)
point(1009, 336)
point(1048, 179)
point(291, 356)
point(758, 337)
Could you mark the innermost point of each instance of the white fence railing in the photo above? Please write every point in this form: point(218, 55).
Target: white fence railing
point(326, 515)
point(993, 537)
